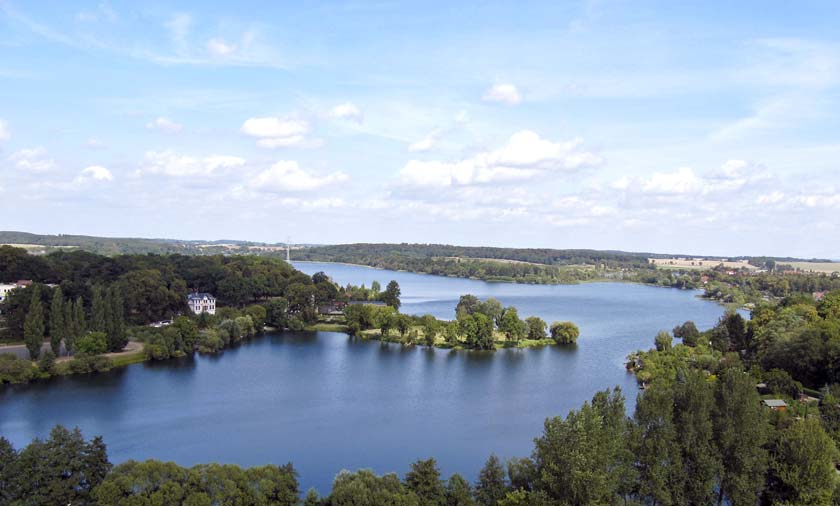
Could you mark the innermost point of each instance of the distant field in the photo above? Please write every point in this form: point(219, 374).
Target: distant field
point(823, 267)
point(696, 263)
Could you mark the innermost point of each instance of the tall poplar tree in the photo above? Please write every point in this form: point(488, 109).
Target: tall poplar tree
point(98, 312)
point(69, 326)
point(33, 325)
point(58, 326)
point(115, 311)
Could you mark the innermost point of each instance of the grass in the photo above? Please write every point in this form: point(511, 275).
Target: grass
point(129, 358)
point(820, 267)
point(327, 327)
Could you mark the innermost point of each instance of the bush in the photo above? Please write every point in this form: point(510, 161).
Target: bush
point(663, 341)
point(297, 324)
point(16, 370)
point(210, 342)
point(564, 332)
point(92, 343)
point(46, 364)
point(87, 364)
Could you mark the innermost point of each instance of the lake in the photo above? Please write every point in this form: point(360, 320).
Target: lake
point(326, 402)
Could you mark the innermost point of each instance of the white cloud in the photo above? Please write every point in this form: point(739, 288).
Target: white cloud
point(347, 110)
point(97, 172)
point(4, 131)
point(219, 47)
point(681, 181)
point(273, 132)
point(525, 156)
point(165, 124)
point(32, 160)
point(286, 175)
point(94, 143)
point(179, 27)
point(770, 198)
point(172, 164)
point(502, 93)
point(426, 143)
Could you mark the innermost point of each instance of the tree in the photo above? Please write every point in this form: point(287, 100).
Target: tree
point(115, 319)
point(58, 326)
point(63, 469)
point(403, 324)
point(655, 445)
point(829, 305)
point(802, 465)
point(663, 341)
point(69, 326)
point(80, 325)
point(375, 289)
point(430, 327)
point(311, 498)
point(536, 328)
point(511, 325)
point(693, 405)
point(33, 326)
point(97, 312)
point(466, 306)
point(688, 333)
point(740, 433)
point(386, 323)
point(577, 459)
point(424, 480)
point(480, 332)
point(564, 332)
point(459, 492)
point(391, 295)
point(491, 486)
point(276, 312)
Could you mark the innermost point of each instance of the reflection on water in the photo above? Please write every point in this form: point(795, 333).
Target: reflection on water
point(327, 401)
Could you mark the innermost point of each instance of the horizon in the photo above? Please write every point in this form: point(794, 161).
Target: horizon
point(633, 127)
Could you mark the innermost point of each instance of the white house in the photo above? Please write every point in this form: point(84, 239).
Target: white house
point(201, 303)
point(5, 288)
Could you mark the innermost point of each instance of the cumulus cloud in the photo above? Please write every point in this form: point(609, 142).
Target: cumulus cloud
point(503, 93)
point(426, 143)
point(164, 124)
point(272, 132)
point(347, 110)
point(172, 164)
point(287, 175)
point(4, 131)
point(96, 172)
point(525, 156)
point(220, 48)
point(32, 160)
point(681, 181)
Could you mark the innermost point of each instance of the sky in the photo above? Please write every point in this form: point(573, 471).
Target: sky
point(682, 127)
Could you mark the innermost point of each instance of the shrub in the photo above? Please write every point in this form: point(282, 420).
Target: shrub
point(16, 370)
point(46, 364)
point(92, 343)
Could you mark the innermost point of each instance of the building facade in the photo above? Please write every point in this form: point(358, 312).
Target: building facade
point(201, 303)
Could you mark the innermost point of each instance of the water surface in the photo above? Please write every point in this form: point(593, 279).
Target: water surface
point(326, 401)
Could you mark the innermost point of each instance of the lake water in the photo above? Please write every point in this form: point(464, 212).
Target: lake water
point(327, 402)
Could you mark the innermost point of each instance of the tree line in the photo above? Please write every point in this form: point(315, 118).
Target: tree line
point(479, 325)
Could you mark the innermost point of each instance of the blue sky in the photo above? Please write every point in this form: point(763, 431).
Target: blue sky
point(651, 126)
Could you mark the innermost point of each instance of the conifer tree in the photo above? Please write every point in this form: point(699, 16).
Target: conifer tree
point(33, 325)
point(58, 326)
point(69, 326)
point(79, 323)
point(115, 319)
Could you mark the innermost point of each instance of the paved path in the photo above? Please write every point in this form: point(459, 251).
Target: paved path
point(20, 351)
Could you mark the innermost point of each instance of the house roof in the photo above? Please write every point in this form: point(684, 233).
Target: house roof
point(199, 296)
point(775, 403)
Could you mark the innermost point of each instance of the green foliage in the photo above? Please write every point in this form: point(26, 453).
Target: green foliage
point(663, 341)
point(165, 483)
point(491, 486)
point(364, 488)
point(46, 363)
point(511, 325)
point(84, 364)
point(258, 315)
point(688, 333)
point(33, 326)
point(57, 323)
point(92, 343)
point(62, 469)
point(536, 328)
point(458, 491)
point(423, 479)
point(802, 465)
point(564, 332)
point(16, 370)
point(391, 295)
point(578, 458)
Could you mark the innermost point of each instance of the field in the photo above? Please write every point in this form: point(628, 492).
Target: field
point(821, 267)
point(697, 263)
